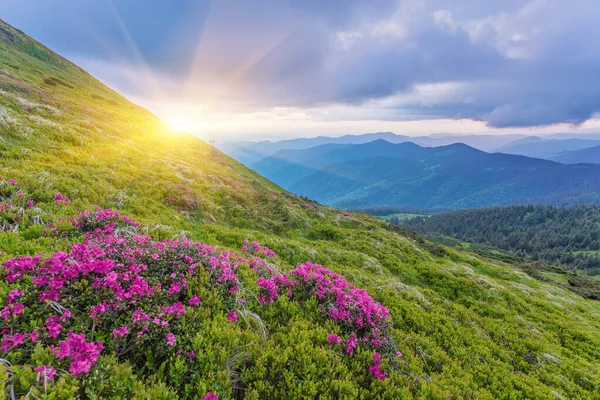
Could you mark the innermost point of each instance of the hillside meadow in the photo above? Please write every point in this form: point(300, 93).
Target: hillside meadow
point(138, 262)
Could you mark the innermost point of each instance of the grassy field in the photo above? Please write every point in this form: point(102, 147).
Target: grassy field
point(465, 326)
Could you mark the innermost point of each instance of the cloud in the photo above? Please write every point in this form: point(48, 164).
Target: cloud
point(510, 63)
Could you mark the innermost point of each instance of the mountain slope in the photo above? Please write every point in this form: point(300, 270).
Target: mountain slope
point(588, 155)
point(466, 327)
point(455, 176)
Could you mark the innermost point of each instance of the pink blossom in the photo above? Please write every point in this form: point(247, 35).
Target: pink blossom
point(144, 330)
point(82, 354)
point(17, 309)
point(46, 371)
point(194, 300)
point(211, 396)
point(332, 338)
point(97, 310)
point(176, 308)
point(232, 316)
point(120, 332)
point(171, 339)
point(11, 341)
point(33, 336)
point(175, 288)
point(140, 316)
point(60, 198)
point(53, 325)
point(375, 368)
point(351, 344)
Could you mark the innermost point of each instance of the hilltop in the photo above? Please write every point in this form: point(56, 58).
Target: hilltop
point(126, 273)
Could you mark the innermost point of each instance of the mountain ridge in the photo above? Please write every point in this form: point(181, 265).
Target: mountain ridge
point(468, 176)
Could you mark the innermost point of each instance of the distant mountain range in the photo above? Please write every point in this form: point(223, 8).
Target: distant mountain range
point(587, 155)
point(406, 174)
point(550, 149)
point(249, 153)
point(556, 147)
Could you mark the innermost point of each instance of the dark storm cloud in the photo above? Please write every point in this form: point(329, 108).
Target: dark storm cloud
point(511, 63)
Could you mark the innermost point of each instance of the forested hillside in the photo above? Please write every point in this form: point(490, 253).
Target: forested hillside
point(137, 263)
point(564, 236)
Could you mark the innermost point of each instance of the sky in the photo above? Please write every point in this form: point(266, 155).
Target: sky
point(252, 69)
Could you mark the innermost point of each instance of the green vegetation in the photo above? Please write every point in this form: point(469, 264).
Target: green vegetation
point(466, 327)
point(397, 218)
point(564, 236)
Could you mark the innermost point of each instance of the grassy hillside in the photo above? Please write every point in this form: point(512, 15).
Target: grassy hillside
point(380, 174)
point(94, 305)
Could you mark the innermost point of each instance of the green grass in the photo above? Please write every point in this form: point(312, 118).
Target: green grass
point(469, 326)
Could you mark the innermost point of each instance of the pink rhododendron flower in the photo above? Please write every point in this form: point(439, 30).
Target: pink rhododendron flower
point(332, 338)
point(375, 369)
point(232, 316)
point(120, 332)
point(351, 344)
point(53, 325)
point(11, 341)
point(17, 308)
point(211, 396)
point(60, 198)
point(171, 339)
point(194, 300)
point(82, 354)
point(176, 308)
point(46, 371)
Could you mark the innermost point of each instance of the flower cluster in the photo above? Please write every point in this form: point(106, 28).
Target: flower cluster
point(365, 320)
point(120, 282)
point(375, 368)
point(19, 212)
point(256, 249)
point(102, 222)
point(118, 291)
point(183, 198)
point(60, 198)
point(81, 353)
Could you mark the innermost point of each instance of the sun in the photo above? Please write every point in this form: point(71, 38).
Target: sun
point(179, 124)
